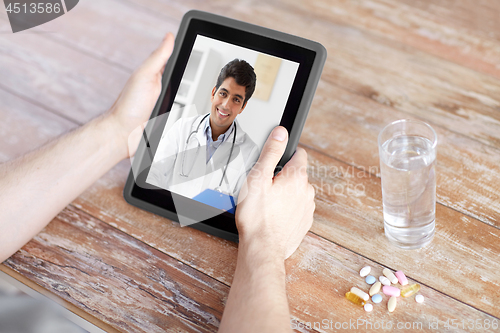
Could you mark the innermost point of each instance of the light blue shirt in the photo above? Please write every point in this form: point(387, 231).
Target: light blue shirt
point(211, 144)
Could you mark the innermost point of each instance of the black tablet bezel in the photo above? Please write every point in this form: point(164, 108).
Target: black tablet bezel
point(310, 56)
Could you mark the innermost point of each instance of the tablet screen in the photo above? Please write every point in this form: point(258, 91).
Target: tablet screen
point(228, 101)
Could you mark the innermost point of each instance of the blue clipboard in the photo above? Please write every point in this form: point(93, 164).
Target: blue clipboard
point(217, 200)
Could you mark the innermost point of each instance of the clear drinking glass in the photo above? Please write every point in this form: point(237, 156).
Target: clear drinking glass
point(407, 151)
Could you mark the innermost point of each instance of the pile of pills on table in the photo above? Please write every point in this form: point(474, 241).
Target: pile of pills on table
point(385, 284)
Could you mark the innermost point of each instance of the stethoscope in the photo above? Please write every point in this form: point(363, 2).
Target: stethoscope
point(183, 174)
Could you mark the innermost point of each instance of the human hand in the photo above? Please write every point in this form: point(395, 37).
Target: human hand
point(276, 212)
point(135, 103)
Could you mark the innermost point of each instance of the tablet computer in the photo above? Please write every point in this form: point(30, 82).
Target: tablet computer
point(225, 87)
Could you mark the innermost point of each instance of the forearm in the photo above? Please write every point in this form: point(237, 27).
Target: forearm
point(37, 186)
point(257, 301)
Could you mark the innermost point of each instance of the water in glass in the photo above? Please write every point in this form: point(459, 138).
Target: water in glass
point(409, 190)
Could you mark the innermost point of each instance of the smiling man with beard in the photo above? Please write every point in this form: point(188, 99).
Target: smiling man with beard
point(211, 151)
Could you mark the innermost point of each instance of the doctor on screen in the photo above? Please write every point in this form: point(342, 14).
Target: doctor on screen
point(211, 151)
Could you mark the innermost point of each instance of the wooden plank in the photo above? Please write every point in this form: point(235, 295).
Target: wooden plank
point(393, 74)
point(419, 84)
point(320, 273)
point(464, 251)
point(119, 279)
point(25, 126)
point(464, 32)
point(480, 17)
point(100, 269)
point(49, 294)
point(115, 32)
point(455, 258)
point(60, 79)
point(345, 125)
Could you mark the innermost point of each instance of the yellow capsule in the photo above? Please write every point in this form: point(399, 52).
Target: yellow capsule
point(355, 298)
point(410, 290)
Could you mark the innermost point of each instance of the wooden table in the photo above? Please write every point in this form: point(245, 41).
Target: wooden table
point(129, 270)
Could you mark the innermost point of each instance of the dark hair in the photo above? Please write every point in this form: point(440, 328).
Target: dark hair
point(242, 73)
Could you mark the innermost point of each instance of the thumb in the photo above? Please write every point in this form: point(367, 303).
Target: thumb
point(159, 57)
point(271, 153)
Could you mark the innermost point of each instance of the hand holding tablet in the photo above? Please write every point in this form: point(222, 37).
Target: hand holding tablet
point(276, 212)
point(225, 87)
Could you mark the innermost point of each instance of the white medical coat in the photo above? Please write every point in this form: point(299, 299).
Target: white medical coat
point(184, 169)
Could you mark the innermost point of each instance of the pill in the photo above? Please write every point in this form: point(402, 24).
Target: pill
point(391, 305)
point(410, 290)
point(419, 298)
point(370, 279)
point(375, 288)
point(385, 281)
point(388, 274)
point(391, 291)
point(360, 293)
point(368, 307)
point(401, 278)
point(355, 298)
point(365, 271)
point(377, 298)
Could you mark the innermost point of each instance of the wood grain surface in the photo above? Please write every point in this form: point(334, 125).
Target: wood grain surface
point(437, 61)
point(340, 120)
point(119, 279)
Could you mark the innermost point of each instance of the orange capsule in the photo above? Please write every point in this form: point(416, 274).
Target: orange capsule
point(355, 298)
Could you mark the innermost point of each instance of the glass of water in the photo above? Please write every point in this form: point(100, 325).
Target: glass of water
point(407, 151)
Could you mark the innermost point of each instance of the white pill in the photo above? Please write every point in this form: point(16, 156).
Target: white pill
point(365, 271)
point(391, 305)
point(360, 293)
point(368, 307)
point(419, 298)
point(390, 275)
point(385, 281)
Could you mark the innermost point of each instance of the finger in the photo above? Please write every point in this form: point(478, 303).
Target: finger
point(311, 192)
point(271, 153)
point(298, 160)
point(307, 218)
point(303, 227)
point(297, 166)
point(157, 60)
